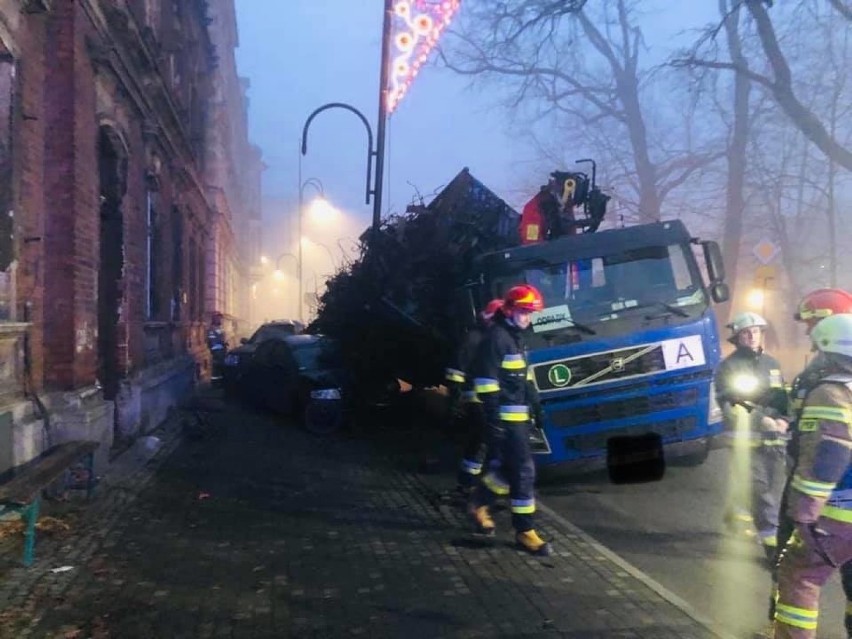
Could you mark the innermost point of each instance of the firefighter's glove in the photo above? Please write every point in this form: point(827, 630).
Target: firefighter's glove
point(816, 539)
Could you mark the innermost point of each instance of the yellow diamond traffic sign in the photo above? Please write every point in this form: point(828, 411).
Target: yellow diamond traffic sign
point(765, 251)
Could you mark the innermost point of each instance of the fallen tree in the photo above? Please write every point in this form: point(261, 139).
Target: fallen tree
point(396, 310)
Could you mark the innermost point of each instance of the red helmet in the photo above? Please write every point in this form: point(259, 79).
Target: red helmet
point(523, 298)
point(492, 307)
point(819, 304)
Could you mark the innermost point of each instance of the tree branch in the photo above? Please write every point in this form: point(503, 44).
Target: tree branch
point(782, 89)
point(730, 66)
point(843, 9)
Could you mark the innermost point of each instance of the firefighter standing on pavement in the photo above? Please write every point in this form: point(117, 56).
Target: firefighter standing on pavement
point(820, 504)
point(466, 406)
point(218, 344)
point(750, 390)
point(814, 307)
point(500, 381)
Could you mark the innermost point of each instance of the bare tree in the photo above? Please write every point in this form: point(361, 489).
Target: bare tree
point(780, 82)
point(585, 77)
point(736, 153)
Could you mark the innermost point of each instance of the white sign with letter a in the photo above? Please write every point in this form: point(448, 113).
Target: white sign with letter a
point(683, 352)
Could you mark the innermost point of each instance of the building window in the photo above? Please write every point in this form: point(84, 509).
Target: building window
point(177, 265)
point(152, 258)
point(152, 14)
point(196, 292)
point(7, 227)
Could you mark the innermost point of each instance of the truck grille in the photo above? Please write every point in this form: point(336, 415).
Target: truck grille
point(599, 367)
point(673, 429)
point(631, 407)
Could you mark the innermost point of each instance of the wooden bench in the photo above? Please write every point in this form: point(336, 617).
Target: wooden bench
point(21, 493)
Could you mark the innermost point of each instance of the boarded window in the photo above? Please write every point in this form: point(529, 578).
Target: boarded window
point(7, 243)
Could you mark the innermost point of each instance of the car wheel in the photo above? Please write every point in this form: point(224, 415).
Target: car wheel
point(323, 417)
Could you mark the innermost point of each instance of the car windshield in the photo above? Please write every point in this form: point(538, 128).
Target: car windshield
point(271, 331)
point(580, 293)
point(321, 355)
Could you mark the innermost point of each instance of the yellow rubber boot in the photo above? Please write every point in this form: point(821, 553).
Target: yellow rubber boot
point(532, 543)
point(482, 520)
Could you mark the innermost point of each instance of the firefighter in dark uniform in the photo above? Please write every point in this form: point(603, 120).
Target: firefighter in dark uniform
point(820, 496)
point(467, 408)
point(750, 390)
point(218, 344)
point(500, 382)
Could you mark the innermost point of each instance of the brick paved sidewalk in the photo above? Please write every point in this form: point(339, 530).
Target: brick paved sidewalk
point(258, 529)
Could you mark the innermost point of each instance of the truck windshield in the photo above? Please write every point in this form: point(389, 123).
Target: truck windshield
point(648, 281)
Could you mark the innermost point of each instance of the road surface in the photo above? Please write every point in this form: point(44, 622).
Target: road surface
point(671, 530)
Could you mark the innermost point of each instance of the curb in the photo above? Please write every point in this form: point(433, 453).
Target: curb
point(634, 572)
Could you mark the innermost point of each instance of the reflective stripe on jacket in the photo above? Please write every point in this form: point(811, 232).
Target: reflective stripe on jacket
point(500, 374)
point(822, 483)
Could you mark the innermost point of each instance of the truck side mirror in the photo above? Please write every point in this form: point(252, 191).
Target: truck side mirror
point(720, 292)
point(713, 260)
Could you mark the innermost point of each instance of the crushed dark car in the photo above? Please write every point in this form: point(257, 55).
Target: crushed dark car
point(238, 359)
point(301, 376)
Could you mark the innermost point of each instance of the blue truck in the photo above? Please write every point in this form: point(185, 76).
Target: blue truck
point(627, 342)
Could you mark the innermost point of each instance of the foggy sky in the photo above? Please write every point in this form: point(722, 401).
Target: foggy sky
point(300, 54)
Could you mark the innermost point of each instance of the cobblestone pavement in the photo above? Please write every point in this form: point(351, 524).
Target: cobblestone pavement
point(252, 528)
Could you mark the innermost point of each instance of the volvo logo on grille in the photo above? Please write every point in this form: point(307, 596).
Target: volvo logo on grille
point(617, 364)
point(559, 375)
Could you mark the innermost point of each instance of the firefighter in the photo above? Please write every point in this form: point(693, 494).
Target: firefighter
point(820, 500)
point(467, 408)
point(750, 390)
point(814, 307)
point(218, 345)
point(501, 383)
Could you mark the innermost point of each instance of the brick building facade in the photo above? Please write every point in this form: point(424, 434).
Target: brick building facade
point(128, 193)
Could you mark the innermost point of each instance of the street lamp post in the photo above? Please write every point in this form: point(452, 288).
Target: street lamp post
point(314, 182)
point(279, 273)
point(327, 250)
point(371, 153)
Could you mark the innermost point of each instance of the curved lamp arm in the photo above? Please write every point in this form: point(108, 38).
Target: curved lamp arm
point(370, 151)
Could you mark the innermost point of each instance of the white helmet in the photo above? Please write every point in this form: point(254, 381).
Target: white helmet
point(834, 335)
point(746, 320)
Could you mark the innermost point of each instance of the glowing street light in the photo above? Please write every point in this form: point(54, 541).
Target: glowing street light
point(756, 298)
point(314, 182)
point(322, 211)
point(419, 25)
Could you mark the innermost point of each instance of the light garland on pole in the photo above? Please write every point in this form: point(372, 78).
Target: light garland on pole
point(419, 25)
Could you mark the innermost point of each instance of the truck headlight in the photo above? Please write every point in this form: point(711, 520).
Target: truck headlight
point(714, 411)
point(326, 393)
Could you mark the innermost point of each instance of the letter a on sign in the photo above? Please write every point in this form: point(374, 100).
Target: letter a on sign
point(683, 352)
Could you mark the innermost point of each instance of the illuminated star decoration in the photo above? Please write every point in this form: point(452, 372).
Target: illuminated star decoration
point(417, 26)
